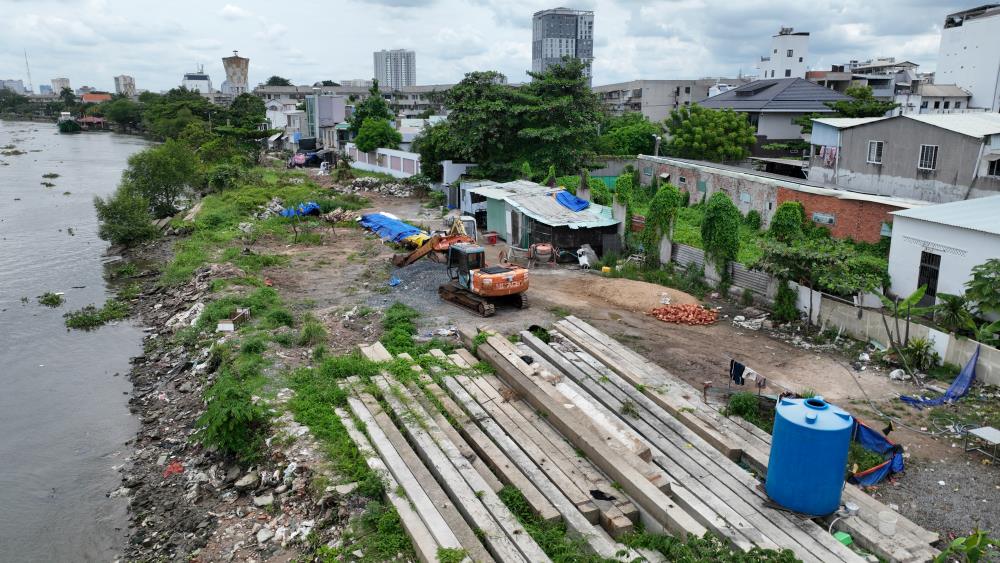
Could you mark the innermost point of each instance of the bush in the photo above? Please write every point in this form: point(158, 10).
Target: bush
point(279, 317)
point(720, 232)
point(745, 406)
point(920, 355)
point(786, 225)
point(747, 298)
point(312, 333)
point(377, 134)
point(752, 219)
point(685, 198)
point(785, 310)
point(162, 174)
point(232, 422)
point(124, 218)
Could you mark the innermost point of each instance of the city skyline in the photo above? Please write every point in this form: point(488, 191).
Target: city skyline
point(85, 42)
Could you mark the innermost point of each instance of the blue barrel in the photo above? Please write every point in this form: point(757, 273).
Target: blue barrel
point(808, 462)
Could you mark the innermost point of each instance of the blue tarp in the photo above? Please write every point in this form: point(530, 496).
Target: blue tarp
point(873, 440)
point(571, 202)
point(308, 208)
point(388, 228)
point(956, 391)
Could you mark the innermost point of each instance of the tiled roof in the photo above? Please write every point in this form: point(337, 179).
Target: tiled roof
point(777, 95)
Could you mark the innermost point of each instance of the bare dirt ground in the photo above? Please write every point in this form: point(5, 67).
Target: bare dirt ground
point(345, 282)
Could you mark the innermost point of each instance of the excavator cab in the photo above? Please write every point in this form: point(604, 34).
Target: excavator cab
point(474, 285)
point(462, 260)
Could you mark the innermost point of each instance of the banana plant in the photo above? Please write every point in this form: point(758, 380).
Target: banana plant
point(986, 332)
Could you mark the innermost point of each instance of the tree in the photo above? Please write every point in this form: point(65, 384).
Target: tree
point(720, 232)
point(161, 175)
point(952, 313)
point(166, 115)
point(330, 83)
point(526, 172)
point(374, 107)
point(278, 81)
point(123, 111)
point(247, 111)
point(660, 218)
point(863, 104)
point(802, 262)
point(709, 134)
point(375, 134)
point(68, 97)
point(786, 225)
point(11, 101)
point(983, 288)
point(560, 113)
point(630, 134)
point(434, 143)
point(124, 218)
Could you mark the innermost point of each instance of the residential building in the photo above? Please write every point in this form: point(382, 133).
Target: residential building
point(847, 214)
point(323, 113)
point(95, 97)
point(562, 32)
point(410, 101)
point(357, 82)
point(410, 128)
point(198, 81)
point(934, 158)
point(934, 98)
point(938, 245)
point(887, 77)
point(84, 90)
point(773, 106)
point(125, 85)
point(44, 89)
point(237, 74)
point(395, 69)
point(59, 83)
point(788, 57)
point(16, 86)
point(969, 56)
point(394, 162)
point(275, 109)
point(655, 99)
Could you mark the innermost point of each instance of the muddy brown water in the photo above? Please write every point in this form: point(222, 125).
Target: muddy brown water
point(64, 417)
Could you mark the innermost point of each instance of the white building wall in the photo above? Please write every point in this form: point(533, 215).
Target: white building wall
point(960, 251)
point(781, 64)
point(779, 126)
point(969, 57)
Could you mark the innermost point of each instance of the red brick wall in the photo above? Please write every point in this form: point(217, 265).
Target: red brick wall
point(860, 220)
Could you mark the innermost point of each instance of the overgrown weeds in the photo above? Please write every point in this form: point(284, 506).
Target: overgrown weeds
point(90, 317)
point(50, 299)
point(232, 421)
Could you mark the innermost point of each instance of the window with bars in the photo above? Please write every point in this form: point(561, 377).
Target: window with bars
point(928, 157)
point(994, 168)
point(875, 152)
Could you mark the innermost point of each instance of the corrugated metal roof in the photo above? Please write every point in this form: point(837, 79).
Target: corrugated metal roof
point(845, 122)
point(942, 90)
point(544, 208)
point(971, 124)
point(776, 95)
point(978, 214)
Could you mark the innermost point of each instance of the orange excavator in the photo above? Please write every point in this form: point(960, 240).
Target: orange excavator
point(436, 248)
point(479, 287)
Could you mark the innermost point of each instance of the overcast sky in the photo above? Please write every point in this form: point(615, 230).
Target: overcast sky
point(90, 41)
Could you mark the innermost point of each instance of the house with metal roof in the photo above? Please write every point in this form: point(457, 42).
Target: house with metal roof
point(938, 245)
point(524, 213)
point(772, 106)
point(931, 157)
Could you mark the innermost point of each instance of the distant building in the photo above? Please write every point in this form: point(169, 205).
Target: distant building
point(198, 81)
point(561, 32)
point(59, 83)
point(16, 86)
point(125, 85)
point(44, 89)
point(789, 56)
point(969, 56)
point(95, 97)
point(409, 101)
point(655, 99)
point(237, 74)
point(395, 69)
point(84, 90)
point(934, 98)
point(886, 76)
point(323, 113)
point(357, 83)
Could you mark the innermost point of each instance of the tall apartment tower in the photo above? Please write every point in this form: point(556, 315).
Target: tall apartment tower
point(562, 32)
point(237, 72)
point(970, 55)
point(395, 69)
point(125, 85)
point(789, 56)
point(59, 83)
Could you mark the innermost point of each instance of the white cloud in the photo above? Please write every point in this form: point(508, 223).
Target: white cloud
point(234, 12)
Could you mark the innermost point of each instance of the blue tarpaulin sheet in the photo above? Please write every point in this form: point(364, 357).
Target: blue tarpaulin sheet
point(571, 202)
point(308, 208)
point(874, 441)
point(388, 228)
point(956, 391)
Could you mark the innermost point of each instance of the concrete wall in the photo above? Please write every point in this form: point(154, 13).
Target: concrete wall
point(777, 126)
point(960, 251)
point(399, 164)
point(613, 166)
point(746, 193)
point(969, 57)
point(452, 171)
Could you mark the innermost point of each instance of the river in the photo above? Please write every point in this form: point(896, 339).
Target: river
point(64, 419)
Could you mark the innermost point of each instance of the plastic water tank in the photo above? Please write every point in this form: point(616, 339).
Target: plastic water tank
point(808, 460)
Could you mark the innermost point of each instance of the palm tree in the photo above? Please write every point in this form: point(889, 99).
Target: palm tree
point(952, 313)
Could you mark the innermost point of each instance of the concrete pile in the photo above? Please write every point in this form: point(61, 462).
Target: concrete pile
point(369, 184)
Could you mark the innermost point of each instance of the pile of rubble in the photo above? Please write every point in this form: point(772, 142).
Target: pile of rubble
point(369, 184)
point(338, 215)
point(689, 314)
point(273, 207)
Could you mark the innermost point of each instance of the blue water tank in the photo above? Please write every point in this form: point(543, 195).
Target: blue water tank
point(806, 470)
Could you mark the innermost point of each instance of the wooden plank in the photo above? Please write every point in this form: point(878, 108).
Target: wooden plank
point(577, 525)
point(504, 536)
point(424, 544)
point(465, 534)
point(375, 352)
point(422, 504)
point(661, 507)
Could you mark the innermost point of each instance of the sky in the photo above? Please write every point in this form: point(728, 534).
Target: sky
point(91, 41)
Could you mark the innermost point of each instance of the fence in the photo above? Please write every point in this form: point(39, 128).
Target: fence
point(400, 164)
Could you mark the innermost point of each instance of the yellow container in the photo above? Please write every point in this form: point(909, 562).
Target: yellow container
point(606, 269)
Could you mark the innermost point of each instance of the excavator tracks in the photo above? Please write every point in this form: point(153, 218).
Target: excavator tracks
point(452, 293)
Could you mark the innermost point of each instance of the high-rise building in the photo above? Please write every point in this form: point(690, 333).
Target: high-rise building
point(970, 54)
point(44, 89)
point(789, 56)
point(125, 85)
point(59, 83)
point(562, 32)
point(237, 73)
point(395, 69)
point(14, 85)
point(198, 81)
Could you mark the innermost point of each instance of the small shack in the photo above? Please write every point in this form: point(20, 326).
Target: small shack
point(523, 213)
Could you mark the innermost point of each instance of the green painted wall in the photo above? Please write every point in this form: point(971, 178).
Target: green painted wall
point(496, 217)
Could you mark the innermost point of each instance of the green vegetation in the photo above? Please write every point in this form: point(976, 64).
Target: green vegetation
point(862, 104)
point(785, 310)
point(746, 406)
point(232, 421)
point(313, 332)
point(629, 134)
point(977, 546)
point(786, 225)
point(981, 289)
point(90, 317)
point(398, 329)
point(860, 458)
point(709, 134)
point(374, 107)
point(124, 218)
point(50, 175)
point(278, 81)
point(550, 536)
point(720, 232)
point(378, 533)
point(377, 133)
point(50, 299)
point(706, 548)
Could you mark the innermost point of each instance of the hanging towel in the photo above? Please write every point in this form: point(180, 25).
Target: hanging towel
point(750, 374)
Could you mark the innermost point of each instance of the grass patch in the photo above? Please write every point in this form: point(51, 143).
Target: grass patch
point(50, 299)
point(746, 406)
point(399, 328)
point(706, 548)
point(261, 302)
point(90, 317)
point(378, 533)
point(560, 312)
point(313, 332)
point(862, 458)
point(550, 536)
point(232, 421)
